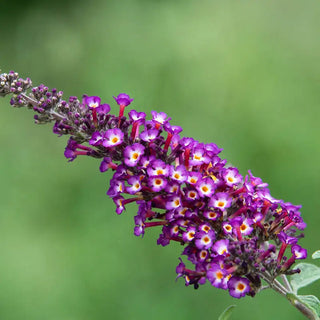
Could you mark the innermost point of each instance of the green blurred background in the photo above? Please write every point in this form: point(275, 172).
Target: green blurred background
point(242, 74)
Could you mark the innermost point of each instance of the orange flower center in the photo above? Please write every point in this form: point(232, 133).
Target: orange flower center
point(240, 286)
point(135, 156)
point(205, 189)
point(220, 204)
point(206, 239)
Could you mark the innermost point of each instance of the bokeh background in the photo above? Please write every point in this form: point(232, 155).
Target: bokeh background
point(242, 74)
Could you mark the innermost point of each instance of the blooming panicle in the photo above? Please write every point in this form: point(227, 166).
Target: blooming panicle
point(232, 229)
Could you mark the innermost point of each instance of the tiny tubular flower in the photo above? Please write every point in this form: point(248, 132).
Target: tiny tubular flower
point(189, 234)
point(135, 185)
point(123, 99)
point(246, 227)
point(220, 200)
point(92, 102)
point(159, 118)
point(96, 139)
point(204, 240)
point(172, 187)
point(158, 168)
point(112, 138)
point(149, 135)
point(238, 287)
point(193, 177)
point(202, 255)
point(211, 214)
point(232, 177)
point(298, 252)
point(198, 157)
point(216, 276)
point(173, 202)
point(191, 195)
point(205, 227)
point(178, 174)
point(157, 183)
point(205, 187)
point(227, 228)
point(220, 247)
point(137, 116)
point(118, 200)
point(132, 154)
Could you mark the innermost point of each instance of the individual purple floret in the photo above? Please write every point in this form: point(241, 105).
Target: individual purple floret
point(221, 200)
point(112, 138)
point(123, 99)
point(238, 287)
point(218, 276)
point(132, 154)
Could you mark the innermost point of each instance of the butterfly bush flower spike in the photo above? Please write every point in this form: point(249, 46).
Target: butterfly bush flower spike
point(234, 234)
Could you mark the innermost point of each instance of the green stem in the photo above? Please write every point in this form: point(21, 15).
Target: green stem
point(286, 282)
point(289, 295)
point(294, 300)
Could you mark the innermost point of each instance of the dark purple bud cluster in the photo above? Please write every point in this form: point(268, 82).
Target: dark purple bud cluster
point(11, 83)
point(233, 231)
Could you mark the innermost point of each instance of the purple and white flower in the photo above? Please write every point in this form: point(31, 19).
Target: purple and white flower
point(204, 240)
point(112, 138)
point(205, 187)
point(220, 200)
point(132, 154)
point(238, 286)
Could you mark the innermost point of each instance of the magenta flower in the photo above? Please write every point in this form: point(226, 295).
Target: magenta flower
point(211, 215)
point(137, 116)
point(298, 252)
point(173, 202)
point(238, 287)
point(123, 99)
point(205, 187)
point(157, 183)
point(159, 118)
point(232, 177)
point(193, 177)
point(132, 154)
point(191, 195)
point(158, 168)
point(204, 240)
point(220, 200)
point(198, 157)
point(92, 102)
point(149, 135)
point(220, 247)
point(135, 185)
point(94, 105)
point(96, 139)
point(112, 138)
point(189, 234)
point(217, 276)
point(178, 174)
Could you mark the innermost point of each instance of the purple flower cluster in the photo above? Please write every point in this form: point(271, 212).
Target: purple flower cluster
point(233, 231)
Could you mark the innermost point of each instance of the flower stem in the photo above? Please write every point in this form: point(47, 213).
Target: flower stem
point(307, 312)
point(289, 295)
point(286, 282)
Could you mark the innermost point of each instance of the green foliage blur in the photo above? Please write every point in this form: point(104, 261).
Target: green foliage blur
point(242, 74)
